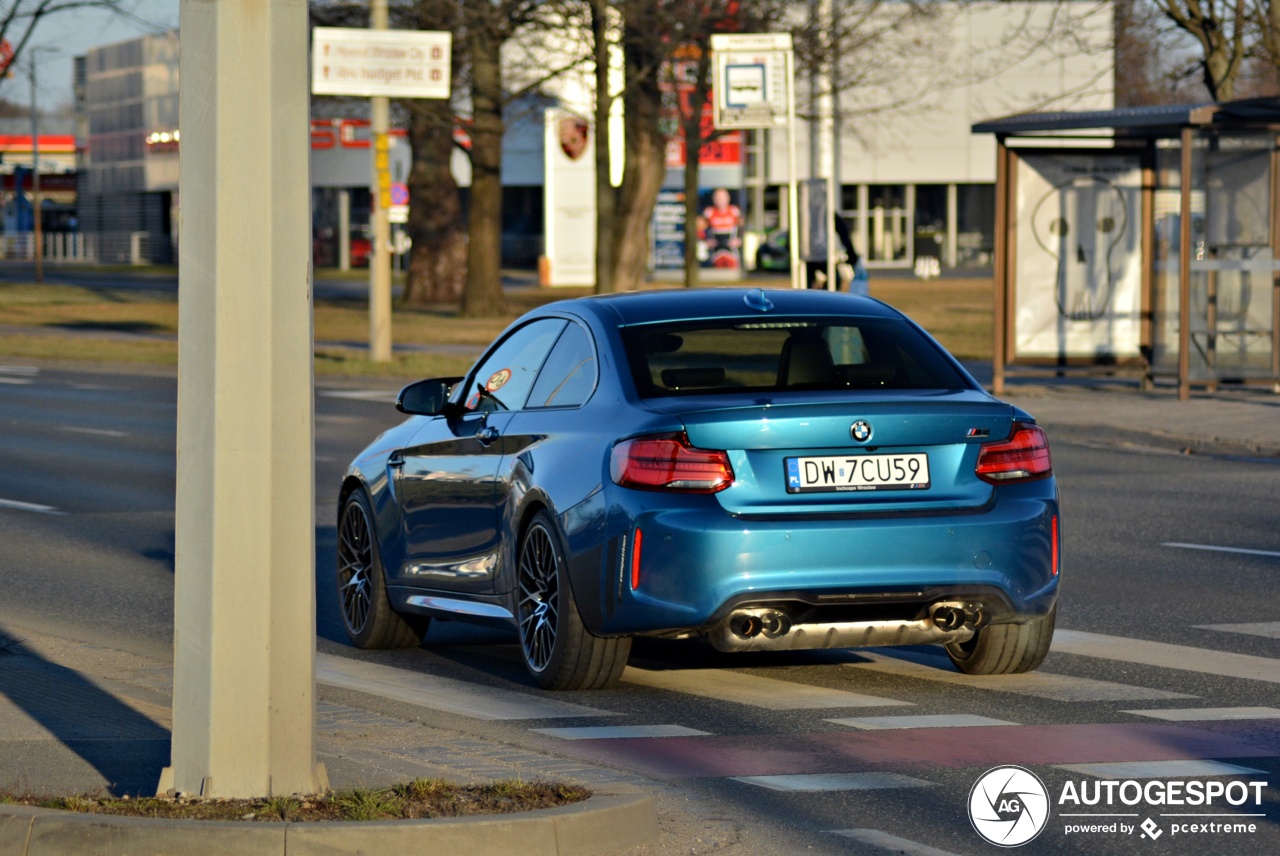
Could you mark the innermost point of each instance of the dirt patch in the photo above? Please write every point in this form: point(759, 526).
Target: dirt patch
point(421, 798)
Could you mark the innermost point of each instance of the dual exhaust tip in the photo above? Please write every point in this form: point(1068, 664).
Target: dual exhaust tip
point(750, 623)
point(959, 616)
point(774, 623)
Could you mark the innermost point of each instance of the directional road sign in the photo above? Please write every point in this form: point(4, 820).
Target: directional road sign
point(390, 63)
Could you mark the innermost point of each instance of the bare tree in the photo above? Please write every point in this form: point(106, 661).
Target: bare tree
point(19, 19)
point(1220, 29)
point(437, 230)
point(648, 34)
point(488, 26)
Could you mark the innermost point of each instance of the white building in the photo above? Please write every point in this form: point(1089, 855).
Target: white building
point(914, 181)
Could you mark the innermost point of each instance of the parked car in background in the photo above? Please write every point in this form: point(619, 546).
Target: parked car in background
point(764, 470)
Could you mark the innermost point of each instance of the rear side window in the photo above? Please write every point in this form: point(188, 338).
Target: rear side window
point(569, 376)
point(776, 356)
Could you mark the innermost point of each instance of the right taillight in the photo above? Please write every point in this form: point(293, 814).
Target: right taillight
point(1022, 457)
point(668, 462)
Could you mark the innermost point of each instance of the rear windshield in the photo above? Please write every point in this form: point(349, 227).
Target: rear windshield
point(700, 358)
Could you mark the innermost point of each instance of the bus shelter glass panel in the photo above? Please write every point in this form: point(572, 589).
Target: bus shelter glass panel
point(1232, 260)
point(1232, 293)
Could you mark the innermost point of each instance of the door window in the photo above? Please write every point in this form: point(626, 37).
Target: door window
point(504, 378)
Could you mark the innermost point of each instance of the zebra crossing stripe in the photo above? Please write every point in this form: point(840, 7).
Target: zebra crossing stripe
point(834, 782)
point(445, 694)
point(617, 732)
point(753, 690)
point(1269, 629)
point(1180, 769)
point(1044, 685)
point(942, 720)
point(1209, 714)
point(892, 843)
point(1163, 655)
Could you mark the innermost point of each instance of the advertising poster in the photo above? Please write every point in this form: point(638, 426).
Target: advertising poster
point(668, 231)
point(719, 232)
point(569, 199)
point(1078, 269)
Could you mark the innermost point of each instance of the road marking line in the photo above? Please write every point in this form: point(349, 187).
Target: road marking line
point(1166, 656)
point(103, 432)
point(1037, 684)
point(1157, 769)
point(941, 720)
point(834, 782)
point(1209, 714)
point(767, 693)
point(892, 843)
point(362, 394)
point(445, 694)
point(1269, 629)
point(1270, 553)
point(618, 732)
point(29, 371)
point(16, 381)
point(29, 506)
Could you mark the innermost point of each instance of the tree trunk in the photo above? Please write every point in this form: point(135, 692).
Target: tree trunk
point(606, 194)
point(646, 158)
point(438, 260)
point(691, 124)
point(483, 295)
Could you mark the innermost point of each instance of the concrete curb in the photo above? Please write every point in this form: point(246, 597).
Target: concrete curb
point(614, 818)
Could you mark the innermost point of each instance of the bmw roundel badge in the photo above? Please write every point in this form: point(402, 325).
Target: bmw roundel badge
point(861, 431)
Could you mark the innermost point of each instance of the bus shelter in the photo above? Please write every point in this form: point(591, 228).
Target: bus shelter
point(1144, 239)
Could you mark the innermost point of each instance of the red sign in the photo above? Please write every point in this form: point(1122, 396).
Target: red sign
point(345, 133)
point(677, 96)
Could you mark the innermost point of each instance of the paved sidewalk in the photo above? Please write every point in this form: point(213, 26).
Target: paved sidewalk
point(78, 718)
point(1237, 423)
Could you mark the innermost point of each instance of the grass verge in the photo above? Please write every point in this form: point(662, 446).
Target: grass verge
point(420, 798)
point(102, 325)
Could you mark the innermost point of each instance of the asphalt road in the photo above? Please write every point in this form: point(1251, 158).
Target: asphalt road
point(86, 524)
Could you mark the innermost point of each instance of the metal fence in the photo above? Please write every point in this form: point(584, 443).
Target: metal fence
point(132, 248)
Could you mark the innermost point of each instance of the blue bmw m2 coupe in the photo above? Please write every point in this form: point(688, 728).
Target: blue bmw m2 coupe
point(764, 470)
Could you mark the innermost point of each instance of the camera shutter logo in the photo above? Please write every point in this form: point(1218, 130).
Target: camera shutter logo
point(1009, 806)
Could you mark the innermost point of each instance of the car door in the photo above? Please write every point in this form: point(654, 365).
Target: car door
point(446, 477)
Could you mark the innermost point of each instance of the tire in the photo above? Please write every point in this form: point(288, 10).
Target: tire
point(558, 650)
point(367, 615)
point(1005, 649)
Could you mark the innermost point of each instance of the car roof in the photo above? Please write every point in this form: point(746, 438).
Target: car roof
point(645, 307)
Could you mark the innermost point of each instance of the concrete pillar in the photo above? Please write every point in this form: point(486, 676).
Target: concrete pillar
point(244, 603)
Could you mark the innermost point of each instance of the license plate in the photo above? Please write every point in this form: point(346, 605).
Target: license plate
point(857, 473)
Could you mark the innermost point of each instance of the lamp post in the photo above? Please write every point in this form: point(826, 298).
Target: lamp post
point(37, 232)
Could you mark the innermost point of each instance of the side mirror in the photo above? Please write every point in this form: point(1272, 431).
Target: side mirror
point(426, 397)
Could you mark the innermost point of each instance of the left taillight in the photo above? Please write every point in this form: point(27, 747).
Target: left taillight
point(1022, 457)
point(668, 462)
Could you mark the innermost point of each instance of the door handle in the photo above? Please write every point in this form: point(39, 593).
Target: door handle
point(395, 459)
point(487, 435)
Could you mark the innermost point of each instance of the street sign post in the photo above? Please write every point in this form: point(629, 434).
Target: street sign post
point(394, 63)
point(381, 64)
point(755, 88)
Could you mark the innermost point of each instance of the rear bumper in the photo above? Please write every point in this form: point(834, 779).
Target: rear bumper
point(697, 563)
